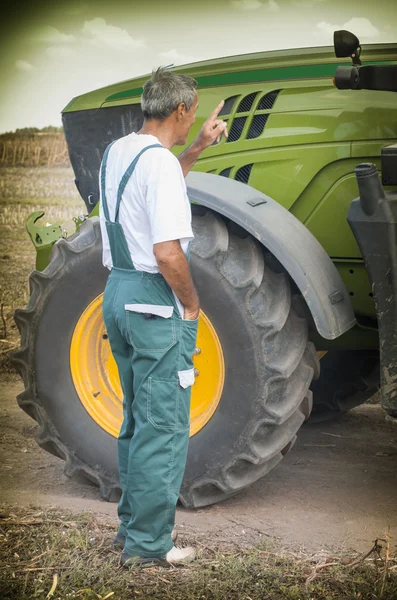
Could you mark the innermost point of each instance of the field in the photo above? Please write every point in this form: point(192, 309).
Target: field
point(23, 191)
point(316, 529)
point(30, 148)
point(62, 555)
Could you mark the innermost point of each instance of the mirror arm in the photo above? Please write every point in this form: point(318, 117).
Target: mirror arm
point(356, 57)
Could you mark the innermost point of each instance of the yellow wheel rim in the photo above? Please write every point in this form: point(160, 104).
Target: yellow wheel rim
point(95, 376)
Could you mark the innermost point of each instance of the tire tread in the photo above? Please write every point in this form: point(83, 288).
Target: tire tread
point(288, 367)
point(23, 358)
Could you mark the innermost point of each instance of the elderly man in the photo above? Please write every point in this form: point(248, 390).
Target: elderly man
point(151, 309)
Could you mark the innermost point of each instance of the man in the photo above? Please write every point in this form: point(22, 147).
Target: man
point(151, 309)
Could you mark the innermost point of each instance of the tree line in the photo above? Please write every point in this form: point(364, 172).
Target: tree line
point(32, 131)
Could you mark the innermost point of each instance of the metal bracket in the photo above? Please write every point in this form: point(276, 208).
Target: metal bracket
point(79, 220)
point(43, 238)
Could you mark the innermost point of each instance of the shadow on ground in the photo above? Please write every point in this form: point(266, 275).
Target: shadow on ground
point(337, 489)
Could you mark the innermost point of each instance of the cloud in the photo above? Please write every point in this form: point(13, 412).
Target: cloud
point(24, 65)
point(109, 36)
point(307, 3)
point(251, 5)
point(328, 27)
point(360, 26)
point(52, 35)
point(177, 58)
point(60, 52)
point(272, 6)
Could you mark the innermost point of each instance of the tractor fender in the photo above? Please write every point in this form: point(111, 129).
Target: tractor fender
point(288, 240)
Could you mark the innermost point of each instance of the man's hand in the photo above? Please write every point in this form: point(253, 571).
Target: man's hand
point(174, 267)
point(191, 313)
point(213, 129)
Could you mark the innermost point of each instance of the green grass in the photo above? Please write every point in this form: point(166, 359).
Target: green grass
point(40, 549)
point(23, 191)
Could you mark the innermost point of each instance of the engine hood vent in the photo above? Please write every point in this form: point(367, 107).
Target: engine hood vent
point(252, 122)
point(242, 174)
point(267, 101)
point(246, 103)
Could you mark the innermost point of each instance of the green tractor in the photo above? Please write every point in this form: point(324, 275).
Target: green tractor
point(283, 284)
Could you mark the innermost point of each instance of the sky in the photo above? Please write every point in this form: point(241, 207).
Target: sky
point(52, 50)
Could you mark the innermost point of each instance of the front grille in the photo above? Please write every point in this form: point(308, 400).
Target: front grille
point(88, 133)
point(225, 172)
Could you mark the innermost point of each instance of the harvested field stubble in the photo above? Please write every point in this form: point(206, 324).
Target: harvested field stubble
point(23, 191)
point(34, 150)
point(72, 555)
point(38, 185)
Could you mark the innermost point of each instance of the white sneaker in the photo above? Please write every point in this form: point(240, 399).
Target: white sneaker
point(180, 555)
point(174, 535)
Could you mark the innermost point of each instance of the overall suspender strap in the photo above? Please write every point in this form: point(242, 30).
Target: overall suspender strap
point(126, 177)
point(103, 182)
point(121, 256)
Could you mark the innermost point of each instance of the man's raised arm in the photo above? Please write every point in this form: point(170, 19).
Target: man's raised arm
point(212, 130)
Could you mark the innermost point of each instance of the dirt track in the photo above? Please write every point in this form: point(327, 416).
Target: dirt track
point(336, 489)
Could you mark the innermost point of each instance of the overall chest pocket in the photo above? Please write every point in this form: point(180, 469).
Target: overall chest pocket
point(151, 328)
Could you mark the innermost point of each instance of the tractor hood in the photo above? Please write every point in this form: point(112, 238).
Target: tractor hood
point(283, 99)
point(262, 66)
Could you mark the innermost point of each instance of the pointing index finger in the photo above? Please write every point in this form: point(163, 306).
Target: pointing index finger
point(217, 110)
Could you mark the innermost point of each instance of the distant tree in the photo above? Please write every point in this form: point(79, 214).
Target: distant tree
point(51, 129)
point(26, 131)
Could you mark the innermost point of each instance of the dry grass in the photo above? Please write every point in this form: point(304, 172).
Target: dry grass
point(23, 191)
point(59, 555)
point(38, 185)
point(36, 149)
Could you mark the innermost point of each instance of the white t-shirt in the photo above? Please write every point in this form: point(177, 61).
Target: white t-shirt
point(154, 206)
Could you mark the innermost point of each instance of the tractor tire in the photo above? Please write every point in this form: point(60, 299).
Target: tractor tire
point(269, 363)
point(348, 378)
point(58, 296)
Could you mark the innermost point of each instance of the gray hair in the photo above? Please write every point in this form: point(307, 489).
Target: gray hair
point(164, 91)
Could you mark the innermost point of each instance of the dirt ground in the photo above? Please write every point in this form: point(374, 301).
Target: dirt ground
point(337, 489)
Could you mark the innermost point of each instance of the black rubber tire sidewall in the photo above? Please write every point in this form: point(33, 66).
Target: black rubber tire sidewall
point(215, 443)
point(81, 281)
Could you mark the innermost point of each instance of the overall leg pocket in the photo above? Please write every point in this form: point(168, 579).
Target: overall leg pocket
point(186, 380)
point(168, 403)
point(188, 344)
point(151, 328)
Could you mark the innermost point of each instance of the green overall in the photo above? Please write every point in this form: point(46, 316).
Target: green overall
point(154, 360)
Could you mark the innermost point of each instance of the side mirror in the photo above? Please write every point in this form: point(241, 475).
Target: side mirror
point(347, 44)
